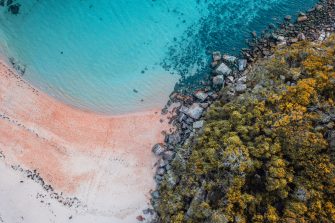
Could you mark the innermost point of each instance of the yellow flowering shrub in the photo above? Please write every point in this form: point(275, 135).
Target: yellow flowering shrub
point(263, 157)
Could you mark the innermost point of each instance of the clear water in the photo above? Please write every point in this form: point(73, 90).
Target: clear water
point(117, 56)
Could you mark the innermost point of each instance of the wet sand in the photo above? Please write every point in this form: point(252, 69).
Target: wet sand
point(104, 161)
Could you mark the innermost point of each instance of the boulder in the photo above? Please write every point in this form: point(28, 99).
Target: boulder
point(280, 38)
point(155, 195)
point(242, 80)
point(182, 117)
point(158, 149)
point(201, 95)
point(230, 79)
point(218, 80)
point(195, 111)
point(160, 171)
point(318, 7)
point(301, 37)
point(173, 139)
point(302, 18)
point(198, 124)
point(240, 88)
point(242, 64)
point(216, 56)
point(223, 69)
point(229, 59)
point(168, 155)
point(322, 36)
point(183, 109)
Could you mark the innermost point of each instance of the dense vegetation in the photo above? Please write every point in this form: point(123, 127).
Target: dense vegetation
point(266, 155)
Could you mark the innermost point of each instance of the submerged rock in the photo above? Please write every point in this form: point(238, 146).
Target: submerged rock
point(216, 56)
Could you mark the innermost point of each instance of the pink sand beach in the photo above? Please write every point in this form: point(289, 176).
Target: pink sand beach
point(104, 161)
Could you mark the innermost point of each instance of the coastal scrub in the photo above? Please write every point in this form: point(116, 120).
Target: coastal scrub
point(268, 154)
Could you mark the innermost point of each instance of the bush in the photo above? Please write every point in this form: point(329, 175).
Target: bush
point(263, 157)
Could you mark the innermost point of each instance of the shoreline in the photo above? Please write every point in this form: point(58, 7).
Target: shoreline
point(75, 148)
point(228, 80)
point(79, 153)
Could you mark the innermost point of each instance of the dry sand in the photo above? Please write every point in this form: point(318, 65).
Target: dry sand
point(106, 162)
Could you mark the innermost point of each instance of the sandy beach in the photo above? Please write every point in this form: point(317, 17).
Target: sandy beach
point(104, 161)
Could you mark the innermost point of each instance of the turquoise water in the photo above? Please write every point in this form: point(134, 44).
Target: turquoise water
point(120, 56)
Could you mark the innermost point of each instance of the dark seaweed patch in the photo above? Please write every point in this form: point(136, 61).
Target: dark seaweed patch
point(12, 6)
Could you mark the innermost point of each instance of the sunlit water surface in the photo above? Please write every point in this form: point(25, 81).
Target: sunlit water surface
point(118, 56)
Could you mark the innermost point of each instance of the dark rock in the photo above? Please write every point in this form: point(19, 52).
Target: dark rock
point(14, 9)
point(331, 139)
point(204, 105)
point(173, 139)
point(189, 121)
point(155, 195)
point(168, 155)
point(160, 171)
point(158, 149)
point(182, 117)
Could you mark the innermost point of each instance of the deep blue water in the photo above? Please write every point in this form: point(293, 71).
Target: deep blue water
point(117, 56)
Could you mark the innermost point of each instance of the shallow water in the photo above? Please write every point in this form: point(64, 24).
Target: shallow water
point(117, 56)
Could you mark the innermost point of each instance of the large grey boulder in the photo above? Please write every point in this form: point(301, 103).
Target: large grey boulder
point(195, 111)
point(223, 69)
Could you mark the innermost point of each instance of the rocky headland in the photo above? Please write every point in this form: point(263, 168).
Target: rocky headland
point(209, 166)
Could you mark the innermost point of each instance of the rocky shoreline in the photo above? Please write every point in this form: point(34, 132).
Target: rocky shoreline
point(228, 80)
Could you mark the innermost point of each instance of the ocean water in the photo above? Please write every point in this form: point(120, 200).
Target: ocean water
point(121, 56)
